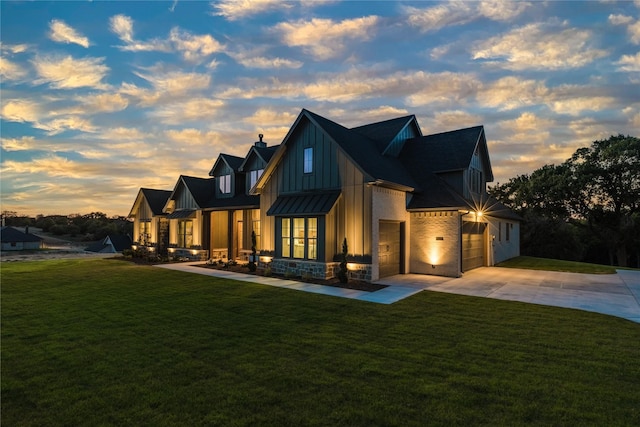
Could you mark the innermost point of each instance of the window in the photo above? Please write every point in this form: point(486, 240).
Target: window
point(185, 234)
point(254, 176)
point(308, 160)
point(145, 233)
point(286, 238)
point(499, 231)
point(301, 234)
point(225, 184)
point(507, 231)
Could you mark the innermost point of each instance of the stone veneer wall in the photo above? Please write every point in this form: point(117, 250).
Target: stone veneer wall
point(317, 270)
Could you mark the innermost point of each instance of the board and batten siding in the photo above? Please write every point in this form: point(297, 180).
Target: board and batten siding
point(184, 199)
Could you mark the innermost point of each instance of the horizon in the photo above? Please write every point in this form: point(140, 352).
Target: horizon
point(99, 99)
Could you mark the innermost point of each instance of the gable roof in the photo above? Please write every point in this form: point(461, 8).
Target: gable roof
point(9, 235)
point(234, 162)
point(264, 153)
point(156, 199)
point(384, 132)
point(448, 151)
point(111, 243)
point(201, 189)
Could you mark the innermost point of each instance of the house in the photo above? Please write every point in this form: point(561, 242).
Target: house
point(233, 212)
point(404, 202)
point(111, 244)
point(150, 223)
point(187, 226)
point(15, 240)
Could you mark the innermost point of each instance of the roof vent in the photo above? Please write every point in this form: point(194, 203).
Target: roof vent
point(261, 143)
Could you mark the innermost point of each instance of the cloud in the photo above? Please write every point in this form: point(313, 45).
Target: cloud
point(62, 124)
point(102, 103)
point(194, 47)
point(122, 26)
point(633, 28)
point(21, 110)
point(238, 9)
point(357, 83)
point(455, 13)
point(629, 63)
point(325, 38)
point(187, 111)
point(61, 32)
point(256, 61)
point(167, 86)
point(70, 73)
point(264, 117)
point(539, 46)
point(194, 137)
point(10, 70)
point(509, 93)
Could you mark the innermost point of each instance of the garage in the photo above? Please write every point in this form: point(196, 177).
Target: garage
point(472, 245)
point(390, 248)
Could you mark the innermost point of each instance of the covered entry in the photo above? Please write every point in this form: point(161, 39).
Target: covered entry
point(472, 245)
point(390, 253)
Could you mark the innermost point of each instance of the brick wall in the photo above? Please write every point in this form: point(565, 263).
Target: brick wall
point(435, 243)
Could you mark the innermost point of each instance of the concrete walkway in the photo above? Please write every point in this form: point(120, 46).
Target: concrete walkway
point(612, 294)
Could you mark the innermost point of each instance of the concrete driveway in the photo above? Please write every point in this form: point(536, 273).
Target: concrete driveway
point(612, 294)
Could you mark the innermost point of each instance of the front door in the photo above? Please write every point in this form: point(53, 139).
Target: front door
point(389, 248)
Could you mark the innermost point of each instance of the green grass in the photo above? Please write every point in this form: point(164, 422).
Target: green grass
point(105, 342)
point(533, 263)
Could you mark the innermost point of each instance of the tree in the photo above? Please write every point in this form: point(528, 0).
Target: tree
point(594, 195)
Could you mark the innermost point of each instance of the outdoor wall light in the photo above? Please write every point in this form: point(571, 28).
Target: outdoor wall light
point(479, 213)
point(193, 252)
point(351, 266)
point(266, 259)
point(433, 266)
point(172, 250)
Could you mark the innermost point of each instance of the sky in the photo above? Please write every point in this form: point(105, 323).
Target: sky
point(101, 98)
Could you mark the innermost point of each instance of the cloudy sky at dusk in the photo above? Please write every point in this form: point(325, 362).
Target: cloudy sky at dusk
point(101, 98)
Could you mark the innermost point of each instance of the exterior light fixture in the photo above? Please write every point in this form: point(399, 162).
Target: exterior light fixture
point(479, 213)
point(266, 259)
point(352, 266)
point(193, 252)
point(433, 266)
point(134, 247)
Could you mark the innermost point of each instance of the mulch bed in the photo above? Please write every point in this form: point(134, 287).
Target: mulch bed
point(352, 284)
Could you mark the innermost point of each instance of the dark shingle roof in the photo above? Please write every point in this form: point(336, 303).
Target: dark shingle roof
point(364, 152)
point(238, 201)
point(10, 234)
point(156, 199)
point(383, 132)
point(202, 189)
point(447, 151)
point(266, 152)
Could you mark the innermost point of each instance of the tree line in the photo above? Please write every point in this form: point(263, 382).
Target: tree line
point(585, 209)
point(87, 227)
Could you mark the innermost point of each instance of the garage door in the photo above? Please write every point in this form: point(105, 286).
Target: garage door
point(389, 248)
point(472, 245)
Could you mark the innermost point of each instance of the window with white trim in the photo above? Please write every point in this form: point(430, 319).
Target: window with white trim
point(254, 176)
point(224, 182)
point(185, 233)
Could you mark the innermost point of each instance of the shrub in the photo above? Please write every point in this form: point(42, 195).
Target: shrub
point(343, 274)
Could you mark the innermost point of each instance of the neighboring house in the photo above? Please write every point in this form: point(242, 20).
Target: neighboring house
point(150, 224)
point(233, 212)
point(111, 244)
point(184, 209)
point(15, 240)
point(406, 203)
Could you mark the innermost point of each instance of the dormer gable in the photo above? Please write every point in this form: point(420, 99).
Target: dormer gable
point(390, 135)
point(226, 173)
point(149, 203)
point(255, 162)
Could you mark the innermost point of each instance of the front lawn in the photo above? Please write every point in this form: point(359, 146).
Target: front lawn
point(107, 342)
